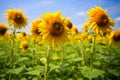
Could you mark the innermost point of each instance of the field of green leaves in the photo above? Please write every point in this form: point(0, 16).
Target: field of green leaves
point(73, 61)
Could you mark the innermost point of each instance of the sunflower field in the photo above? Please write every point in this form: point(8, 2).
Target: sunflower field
point(56, 50)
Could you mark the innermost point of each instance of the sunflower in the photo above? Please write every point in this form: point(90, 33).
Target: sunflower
point(54, 30)
point(99, 20)
point(115, 38)
point(69, 23)
point(3, 30)
point(16, 18)
point(24, 46)
point(85, 27)
point(74, 30)
point(34, 27)
point(21, 35)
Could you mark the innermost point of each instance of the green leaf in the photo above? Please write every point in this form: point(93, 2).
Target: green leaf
point(16, 70)
point(90, 74)
point(78, 59)
point(114, 72)
point(23, 79)
point(35, 78)
point(34, 72)
point(71, 56)
point(22, 59)
point(95, 73)
point(85, 71)
point(40, 68)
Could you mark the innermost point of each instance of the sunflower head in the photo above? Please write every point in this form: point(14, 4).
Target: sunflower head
point(115, 38)
point(3, 29)
point(53, 29)
point(85, 27)
point(99, 20)
point(34, 27)
point(24, 46)
point(69, 23)
point(21, 35)
point(16, 18)
point(74, 30)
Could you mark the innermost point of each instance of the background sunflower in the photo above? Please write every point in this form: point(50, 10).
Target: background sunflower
point(34, 27)
point(115, 38)
point(3, 30)
point(99, 20)
point(16, 18)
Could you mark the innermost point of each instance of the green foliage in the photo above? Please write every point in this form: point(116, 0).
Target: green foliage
point(72, 61)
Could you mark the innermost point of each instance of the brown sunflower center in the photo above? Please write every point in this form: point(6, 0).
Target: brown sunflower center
point(69, 25)
point(24, 34)
point(76, 31)
point(56, 29)
point(101, 19)
point(116, 37)
point(18, 19)
point(2, 31)
point(25, 47)
point(37, 31)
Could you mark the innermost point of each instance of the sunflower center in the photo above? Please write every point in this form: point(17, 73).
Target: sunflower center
point(18, 18)
point(76, 31)
point(69, 25)
point(2, 31)
point(116, 37)
point(37, 32)
point(56, 29)
point(101, 19)
point(24, 34)
point(25, 47)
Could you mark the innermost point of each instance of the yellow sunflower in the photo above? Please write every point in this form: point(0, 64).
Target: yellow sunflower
point(16, 18)
point(54, 30)
point(3, 30)
point(85, 27)
point(74, 30)
point(115, 38)
point(99, 20)
point(21, 35)
point(24, 46)
point(69, 23)
point(34, 27)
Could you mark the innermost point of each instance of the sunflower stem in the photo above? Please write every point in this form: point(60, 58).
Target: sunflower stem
point(12, 51)
point(83, 52)
point(62, 55)
point(33, 57)
point(92, 56)
point(47, 63)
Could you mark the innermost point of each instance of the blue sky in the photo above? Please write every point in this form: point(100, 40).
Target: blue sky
point(73, 9)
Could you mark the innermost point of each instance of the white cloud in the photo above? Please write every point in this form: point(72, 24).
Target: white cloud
point(118, 19)
point(81, 13)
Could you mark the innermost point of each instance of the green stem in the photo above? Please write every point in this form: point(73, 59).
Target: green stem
point(62, 55)
point(33, 54)
point(12, 51)
point(13, 42)
point(83, 52)
point(92, 56)
point(47, 63)
point(10, 76)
